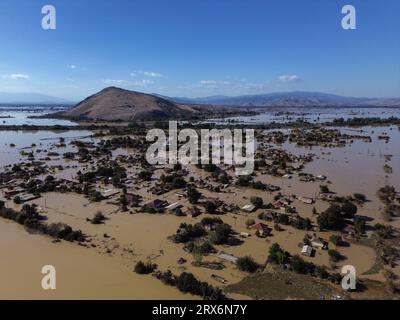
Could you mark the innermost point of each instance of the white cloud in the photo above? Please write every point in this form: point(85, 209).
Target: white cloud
point(144, 82)
point(234, 86)
point(72, 66)
point(289, 78)
point(115, 82)
point(16, 76)
point(149, 74)
point(208, 82)
point(125, 83)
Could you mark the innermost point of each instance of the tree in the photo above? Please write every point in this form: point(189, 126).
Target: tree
point(177, 166)
point(324, 189)
point(334, 255)
point(282, 219)
point(277, 255)
point(244, 181)
point(359, 197)
point(250, 222)
point(95, 196)
point(210, 207)
point(186, 282)
point(257, 202)
point(210, 221)
point(144, 268)
point(349, 209)
point(321, 272)
point(17, 200)
point(330, 218)
point(359, 225)
point(98, 218)
point(145, 175)
point(336, 239)
point(178, 183)
point(197, 254)
point(123, 202)
point(221, 234)
point(300, 266)
point(247, 263)
point(193, 195)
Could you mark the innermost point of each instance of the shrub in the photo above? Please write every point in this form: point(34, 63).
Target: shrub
point(257, 202)
point(187, 283)
point(221, 234)
point(193, 195)
point(300, 266)
point(336, 240)
point(247, 264)
point(250, 222)
point(95, 196)
point(321, 272)
point(210, 207)
point(277, 255)
point(98, 218)
point(334, 255)
point(144, 268)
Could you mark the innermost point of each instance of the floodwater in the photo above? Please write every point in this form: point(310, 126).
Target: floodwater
point(90, 273)
point(313, 115)
point(44, 140)
point(21, 115)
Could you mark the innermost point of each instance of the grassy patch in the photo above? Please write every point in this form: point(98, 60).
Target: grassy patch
point(282, 284)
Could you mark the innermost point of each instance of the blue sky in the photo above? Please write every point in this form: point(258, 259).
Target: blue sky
point(200, 48)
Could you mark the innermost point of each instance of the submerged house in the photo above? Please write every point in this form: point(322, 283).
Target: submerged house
point(307, 251)
point(133, 199)
point(262, 229)
point(249, 208)
point(156, 205)
point(193, 212)
point(173, 207)
point(8, 193)
point(108, 193)
point(318, 243)
point(227, 257)
point(28, 197)
point(306, 200)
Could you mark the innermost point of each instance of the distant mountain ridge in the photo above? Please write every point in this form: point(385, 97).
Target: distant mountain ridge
point(291, 99)
point(30, 98)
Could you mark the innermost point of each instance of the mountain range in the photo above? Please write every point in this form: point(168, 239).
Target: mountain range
point(30, 98)
point(291, 99)
point(112, 104)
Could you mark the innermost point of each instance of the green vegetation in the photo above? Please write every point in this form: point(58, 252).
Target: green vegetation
point(221, 234)
point(193, 195)
point(144, 268)
point(247, 264)
point(187, 232)
point(29, 217)
point(98, 218)
point(334, 255)
point(257, 202)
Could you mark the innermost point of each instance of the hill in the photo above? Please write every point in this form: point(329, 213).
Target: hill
point(113, 103)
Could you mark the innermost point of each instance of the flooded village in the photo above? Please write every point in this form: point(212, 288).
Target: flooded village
point(323, 194)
